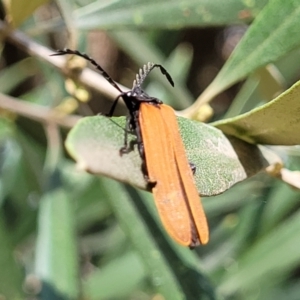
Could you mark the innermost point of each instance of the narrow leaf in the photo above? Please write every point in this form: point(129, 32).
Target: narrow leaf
point(10, 273)
point(56, 262)
point(273, 33)
point(173, 269)
point(272, 258)
point(102, 283)
point(168, 14)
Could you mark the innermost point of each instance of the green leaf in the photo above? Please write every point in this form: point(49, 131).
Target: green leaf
point(56, 261)
point(12, 76)
point(10, 167)
point(243, 98)
point(9, 158)
point(95, 143)
point(287, 290)
point(174, 270)
point(273, 33)
point(10, 274)
point(275, 123)
point(271, 258)
point(102, 283)
point(266, 40)
point(6, 128)
point(168, 14)
point(277, 209)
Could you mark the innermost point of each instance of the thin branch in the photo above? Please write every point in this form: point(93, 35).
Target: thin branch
point(87, 77)
point(37, 112)
point(54, 148)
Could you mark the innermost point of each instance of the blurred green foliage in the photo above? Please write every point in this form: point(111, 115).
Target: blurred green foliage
point(67, 234)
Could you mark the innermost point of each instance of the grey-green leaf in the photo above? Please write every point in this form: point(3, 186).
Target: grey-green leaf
point(165, 14)
point(95, 143)
point(275, 123)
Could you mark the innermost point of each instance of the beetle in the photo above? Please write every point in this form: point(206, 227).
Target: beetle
point(165, 164)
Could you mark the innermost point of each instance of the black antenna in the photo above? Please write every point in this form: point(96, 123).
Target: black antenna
point(144, 72)
point(136, 94)
point(92, 61)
